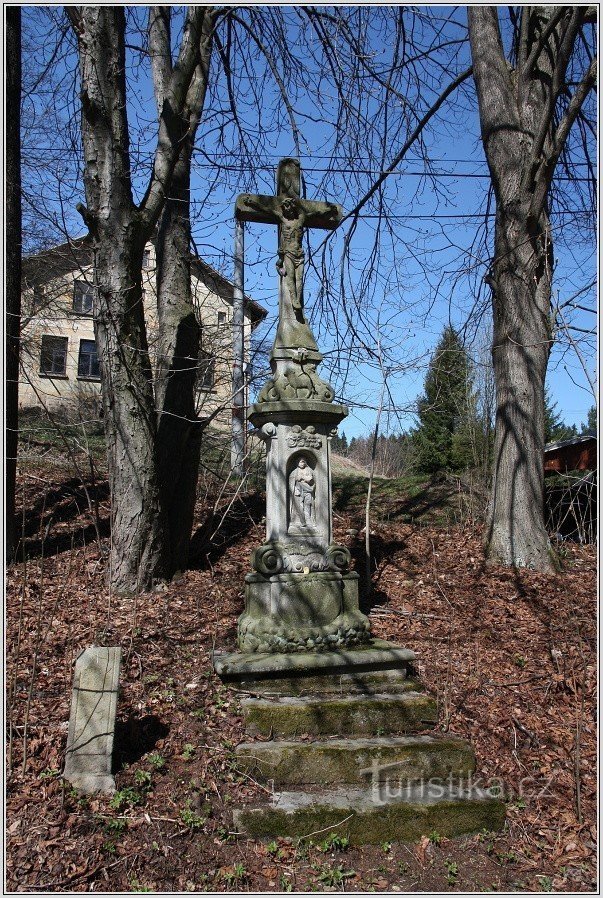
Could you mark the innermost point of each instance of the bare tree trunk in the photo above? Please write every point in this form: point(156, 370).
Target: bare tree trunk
point(179, 430)
point(138, 546)
point(237, 452)
point(523, 133)
point(140, 541)
point(13, 267)
point(522, 337)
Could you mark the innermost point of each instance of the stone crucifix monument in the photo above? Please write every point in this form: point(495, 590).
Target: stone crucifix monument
point(335, 719)
point(302, 595)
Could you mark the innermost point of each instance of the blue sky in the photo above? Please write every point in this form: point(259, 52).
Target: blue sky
point(429, 271)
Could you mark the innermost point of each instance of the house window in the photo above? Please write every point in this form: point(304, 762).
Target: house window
point(207, 371)
point(53, 356)
point(83, 296)
point(87, 363)
point(146, 258)
point(221, 317)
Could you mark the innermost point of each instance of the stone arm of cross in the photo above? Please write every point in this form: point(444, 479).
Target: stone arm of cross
point(269, 210)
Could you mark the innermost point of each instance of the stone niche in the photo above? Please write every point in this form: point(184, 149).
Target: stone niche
point(302, 594)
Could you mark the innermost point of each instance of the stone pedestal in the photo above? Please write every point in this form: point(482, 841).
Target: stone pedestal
point(302, 595)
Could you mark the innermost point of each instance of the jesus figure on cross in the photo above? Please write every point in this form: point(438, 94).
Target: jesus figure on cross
point(292, 214)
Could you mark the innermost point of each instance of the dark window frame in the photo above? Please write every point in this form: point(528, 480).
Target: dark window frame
point(87, 361)
point(56, 355)
point(82, 289)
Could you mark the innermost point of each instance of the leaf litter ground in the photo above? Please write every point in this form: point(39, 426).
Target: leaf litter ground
point(510, 656)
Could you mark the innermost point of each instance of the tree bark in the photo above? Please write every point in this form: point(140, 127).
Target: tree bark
point(522, 140)
point(13, 267)
point(179, 430)
point(137, 537)
point(522, 337)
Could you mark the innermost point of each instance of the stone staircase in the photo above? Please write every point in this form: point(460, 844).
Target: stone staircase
point(341, 738)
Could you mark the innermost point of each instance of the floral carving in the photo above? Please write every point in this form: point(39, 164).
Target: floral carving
point(304, 438)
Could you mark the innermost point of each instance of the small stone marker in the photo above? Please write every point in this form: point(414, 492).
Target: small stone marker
point(92, 719)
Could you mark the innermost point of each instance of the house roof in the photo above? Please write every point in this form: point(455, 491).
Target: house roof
point(58, 260)
point(573, 441)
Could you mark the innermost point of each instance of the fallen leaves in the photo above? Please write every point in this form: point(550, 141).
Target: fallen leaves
point(510, 656)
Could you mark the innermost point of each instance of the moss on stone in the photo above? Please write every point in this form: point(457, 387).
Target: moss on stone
point(399, 822)
point(344, 760)
point(355, 715)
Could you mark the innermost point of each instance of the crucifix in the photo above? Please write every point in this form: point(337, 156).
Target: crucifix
point(292, 213)
point(301, 594)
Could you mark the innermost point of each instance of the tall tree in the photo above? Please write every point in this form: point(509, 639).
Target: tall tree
point(141, 443)
point(527, 106)
point(13, 265)
point(591, 422)
point(444, 409)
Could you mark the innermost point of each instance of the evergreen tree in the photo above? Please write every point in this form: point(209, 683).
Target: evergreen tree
point(339, 444)
point(554, 428)
point(447, 409)
point(591, 422)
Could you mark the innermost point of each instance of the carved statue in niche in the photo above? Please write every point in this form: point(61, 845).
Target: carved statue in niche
point(302, 494)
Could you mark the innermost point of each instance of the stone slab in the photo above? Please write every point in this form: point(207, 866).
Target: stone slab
point(360, 715)
point(361, 683)
point(391, 759)
point(379, 655)
point(88, 759)
point(292, 410)
point(367, 818)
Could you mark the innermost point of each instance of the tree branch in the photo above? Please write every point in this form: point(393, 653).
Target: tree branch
point(276, 75)
point(547, 166)
point(543, 37)
point(491, 72)
point(175, 111)
point(407, 145)
point(160, 52)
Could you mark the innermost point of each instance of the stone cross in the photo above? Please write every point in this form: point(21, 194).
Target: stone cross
point(292, 214)
point(301, 594)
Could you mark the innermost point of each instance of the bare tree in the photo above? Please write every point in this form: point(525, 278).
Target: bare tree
point(139, 447)
point(527, 109)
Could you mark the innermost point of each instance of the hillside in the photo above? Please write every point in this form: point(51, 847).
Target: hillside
point(509, 655)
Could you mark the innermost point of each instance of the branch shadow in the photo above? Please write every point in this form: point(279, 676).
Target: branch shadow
point(208, 546)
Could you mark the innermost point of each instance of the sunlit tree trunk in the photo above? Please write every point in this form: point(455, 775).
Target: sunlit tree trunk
point(523, 136)
point(141, 544)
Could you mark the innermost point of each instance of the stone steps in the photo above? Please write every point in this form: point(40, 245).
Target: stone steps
point(391, 759)
point(370, 816)
point(343, 730)
point(356, 715)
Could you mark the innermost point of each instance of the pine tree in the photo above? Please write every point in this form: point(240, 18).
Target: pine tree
point(339, 444)
point(447, 409)
point(591, 422)
point(554, 428)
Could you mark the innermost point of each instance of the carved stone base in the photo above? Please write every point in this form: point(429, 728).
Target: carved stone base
point(301, 612)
